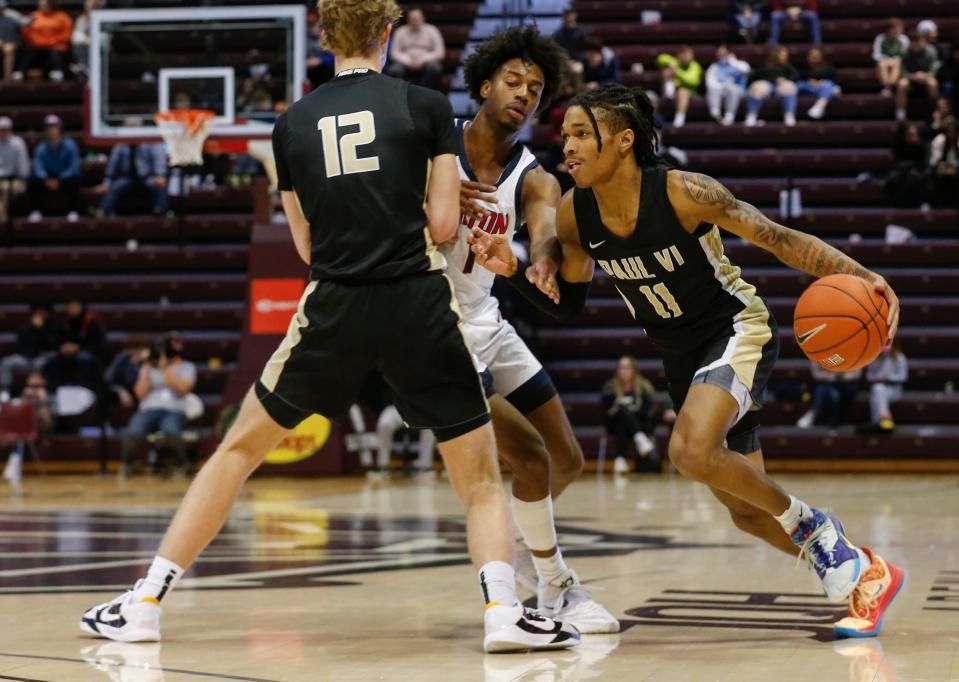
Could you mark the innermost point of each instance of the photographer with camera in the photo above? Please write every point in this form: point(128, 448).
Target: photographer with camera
point(164, 381)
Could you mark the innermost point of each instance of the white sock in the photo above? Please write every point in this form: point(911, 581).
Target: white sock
point(790, 518)
point(160, 579)
point(498, 582)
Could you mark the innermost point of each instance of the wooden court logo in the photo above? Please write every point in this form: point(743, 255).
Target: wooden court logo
point(307, 438)
point(811, 614)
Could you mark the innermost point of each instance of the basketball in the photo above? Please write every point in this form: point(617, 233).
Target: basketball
point(840, 322)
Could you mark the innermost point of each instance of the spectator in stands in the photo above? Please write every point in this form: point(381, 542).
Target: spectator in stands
point(319, 62)
point(944, 162)
point(417, 51)
point(136, 168)
point(627, 400)
point(80, 39)
point(794, 10)
point(725, 85)
point(122, 374)
point(834, 394)
point(748, 14)
point(36, 342)
point(776, 78)
point(14, 167)
point(11, 21)
point(888, 49)
point(918, 69)
point(164, 382)
point(571, 35)
point(56, 170)
point(82, 328)
point(907, 181)
point(600, 64)
point(938, 118)
point(76, 363)
point(886, 376)
point(682, 76)
point(948, 74)
point(819, 79)
point(35, 393)
point(930, 31)
point(46, 40)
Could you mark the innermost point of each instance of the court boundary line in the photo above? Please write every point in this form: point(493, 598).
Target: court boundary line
point(175, 671)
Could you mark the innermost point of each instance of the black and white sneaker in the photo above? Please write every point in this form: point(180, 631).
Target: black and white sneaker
point(124, 619)
point(515, 628)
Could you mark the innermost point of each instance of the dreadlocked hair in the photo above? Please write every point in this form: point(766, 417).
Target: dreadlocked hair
point(523, 43)
point(623, 107)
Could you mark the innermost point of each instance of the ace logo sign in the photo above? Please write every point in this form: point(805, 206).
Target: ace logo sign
point(272, 303)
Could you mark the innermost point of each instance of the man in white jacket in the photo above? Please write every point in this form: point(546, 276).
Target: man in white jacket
point(725, 85)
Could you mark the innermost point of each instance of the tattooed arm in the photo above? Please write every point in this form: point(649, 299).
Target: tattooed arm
point(698, 198)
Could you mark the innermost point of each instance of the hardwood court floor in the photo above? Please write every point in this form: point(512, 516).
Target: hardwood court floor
point(333, 580)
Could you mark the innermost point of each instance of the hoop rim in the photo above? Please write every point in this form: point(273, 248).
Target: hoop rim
point(195, 121)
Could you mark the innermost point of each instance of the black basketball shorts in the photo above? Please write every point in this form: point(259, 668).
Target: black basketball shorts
point(739, 359)
point(408, 329)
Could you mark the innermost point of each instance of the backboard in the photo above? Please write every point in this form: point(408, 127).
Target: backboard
point(246, 64)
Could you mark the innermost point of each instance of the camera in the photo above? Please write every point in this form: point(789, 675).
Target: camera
point(158, 351)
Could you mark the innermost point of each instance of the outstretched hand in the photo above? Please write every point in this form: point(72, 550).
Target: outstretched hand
point(892, 318)
point(473, 192)
point(495, 254)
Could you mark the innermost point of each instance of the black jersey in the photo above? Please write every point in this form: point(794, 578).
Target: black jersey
point(679, 286)
point(356, 152)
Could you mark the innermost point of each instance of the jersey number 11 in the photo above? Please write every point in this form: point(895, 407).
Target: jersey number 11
point(340, 152)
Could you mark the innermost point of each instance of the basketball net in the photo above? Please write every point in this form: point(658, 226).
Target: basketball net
point(184, 131)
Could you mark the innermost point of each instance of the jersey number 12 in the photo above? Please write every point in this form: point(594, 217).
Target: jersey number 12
point(340, 152)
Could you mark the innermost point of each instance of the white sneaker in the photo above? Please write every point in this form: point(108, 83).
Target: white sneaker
point(13, 471)
point(35, 217)
point(571, 602)
point(516, 628)
point(789, 119)
point(728, 119)
point(806, 421)
point(644, 445)
point(751, 120)
point(72, 217)
point(679, 120)
point(17, 75)
point(817, 110)
point(124, 620)
point(56, 76)
point(620, 466)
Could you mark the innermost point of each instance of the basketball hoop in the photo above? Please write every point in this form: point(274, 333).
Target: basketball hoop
point(184, 131)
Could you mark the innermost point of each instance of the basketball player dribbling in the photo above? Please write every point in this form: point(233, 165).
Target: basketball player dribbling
point(511, 76)
point(352, 160)
point(655, 232)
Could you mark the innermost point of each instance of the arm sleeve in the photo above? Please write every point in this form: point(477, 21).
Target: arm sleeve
point(877, 48)
point(900, 370)
point(432, 111)
point(438, 51)
point(572, 296)
point(38, 168)
point(283, 183)
point(23, 160)
point(73, 169)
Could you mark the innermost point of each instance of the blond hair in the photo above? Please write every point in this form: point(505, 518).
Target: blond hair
point(354, 27)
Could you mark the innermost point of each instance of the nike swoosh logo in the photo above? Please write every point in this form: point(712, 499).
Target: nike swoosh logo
point(597, 244)
point(524, 624)
point(803, 338)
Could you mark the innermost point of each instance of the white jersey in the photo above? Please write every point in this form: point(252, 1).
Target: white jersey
point(471, 281)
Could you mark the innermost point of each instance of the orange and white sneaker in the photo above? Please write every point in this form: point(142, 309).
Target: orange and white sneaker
point(870, 600)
